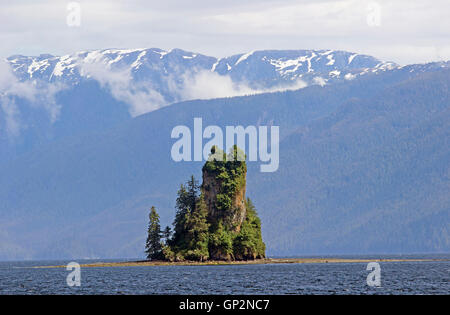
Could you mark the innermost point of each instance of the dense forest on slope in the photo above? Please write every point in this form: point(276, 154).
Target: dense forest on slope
point(364, 167)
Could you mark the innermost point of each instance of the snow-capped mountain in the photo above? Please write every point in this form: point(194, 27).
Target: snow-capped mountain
point(169, 72)
point(147, 79)
point(270, 67)
point(46, 98)
point(164, 77)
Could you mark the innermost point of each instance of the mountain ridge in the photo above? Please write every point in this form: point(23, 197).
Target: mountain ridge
point(291, 61)
point(46, 98)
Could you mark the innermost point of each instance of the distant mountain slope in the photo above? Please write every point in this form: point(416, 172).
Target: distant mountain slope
point(46, 98)
point(372, 177)
point(363, 168)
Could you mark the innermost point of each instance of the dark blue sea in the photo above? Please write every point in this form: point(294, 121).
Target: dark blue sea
point(333, 278)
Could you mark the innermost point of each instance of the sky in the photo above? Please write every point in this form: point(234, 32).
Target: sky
point(403, 31)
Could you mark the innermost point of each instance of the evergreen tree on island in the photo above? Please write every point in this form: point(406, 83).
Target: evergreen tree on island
point(167, 234)
point(153, 246)
point(214, 221)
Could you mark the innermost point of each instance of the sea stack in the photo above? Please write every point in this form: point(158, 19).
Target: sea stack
point(231, 216)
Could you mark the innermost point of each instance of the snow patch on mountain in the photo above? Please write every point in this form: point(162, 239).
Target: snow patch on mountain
point(330, 60)
point(243, 57)
point(137, 63)
point(287, 66)
point(350, 59)
point(147, 79)
point(37, 65)
point(334, 73)
point(213, 68)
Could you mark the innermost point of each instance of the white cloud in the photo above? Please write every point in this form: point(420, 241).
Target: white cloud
point(349, 76)
point(10, 85)
point(295, 85)
point(37, 95)
point(141, 97)
point(207, 85)
point(12, 125)
point(320, 81)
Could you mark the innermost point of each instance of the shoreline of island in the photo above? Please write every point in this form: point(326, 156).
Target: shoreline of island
point(265, 261)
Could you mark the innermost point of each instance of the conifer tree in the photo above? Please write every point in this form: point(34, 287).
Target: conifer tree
point(180, 216)
point(193, 191)
point(188, 196)
point(153, 246)
point(196, 232)
point(167, 234)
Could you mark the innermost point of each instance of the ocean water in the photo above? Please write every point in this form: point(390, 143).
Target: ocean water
point(333, 278)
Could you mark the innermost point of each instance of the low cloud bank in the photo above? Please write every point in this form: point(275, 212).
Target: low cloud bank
point(142, 97)
point(37, 95)
point(208, 85)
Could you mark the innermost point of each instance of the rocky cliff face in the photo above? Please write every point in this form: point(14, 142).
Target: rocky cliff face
point(213, 187)
point(235, 229)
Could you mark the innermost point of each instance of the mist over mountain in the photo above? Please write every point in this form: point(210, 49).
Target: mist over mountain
point(364, 153)
point(47, 97)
